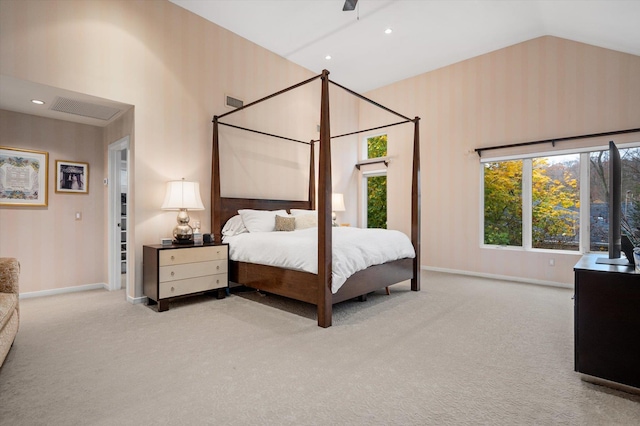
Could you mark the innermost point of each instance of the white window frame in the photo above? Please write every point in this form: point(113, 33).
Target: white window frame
point(527, 168)
point(366, 173)
point(363, 212)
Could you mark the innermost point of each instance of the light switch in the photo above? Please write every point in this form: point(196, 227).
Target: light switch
point(78, 215)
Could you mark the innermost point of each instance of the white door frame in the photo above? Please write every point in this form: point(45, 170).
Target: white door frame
point(114, 213)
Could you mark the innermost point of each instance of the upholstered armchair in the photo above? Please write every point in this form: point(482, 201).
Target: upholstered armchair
point(9, 290)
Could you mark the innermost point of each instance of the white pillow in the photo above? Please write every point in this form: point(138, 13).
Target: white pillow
point(296, 212)
point(234, 226)
point(260, 220)
point(304, 221)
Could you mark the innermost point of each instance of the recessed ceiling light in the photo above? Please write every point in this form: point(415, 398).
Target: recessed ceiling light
point(327, 57)
point(37, 101)
point(388, 31)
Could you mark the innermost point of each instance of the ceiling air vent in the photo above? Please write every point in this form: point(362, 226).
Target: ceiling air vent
point(233, 102)
point(85, 109)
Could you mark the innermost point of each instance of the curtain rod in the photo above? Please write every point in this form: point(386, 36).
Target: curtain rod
point(553, 141)
point(366, 162)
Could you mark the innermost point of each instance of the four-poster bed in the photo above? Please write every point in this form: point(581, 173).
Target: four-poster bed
point(305, 286)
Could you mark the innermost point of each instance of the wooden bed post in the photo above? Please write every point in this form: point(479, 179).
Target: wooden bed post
point(216, 224)
point(415, 205)
point(312, 178)
point(325, 297)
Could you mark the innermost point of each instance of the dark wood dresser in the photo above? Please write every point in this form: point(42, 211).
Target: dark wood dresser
point(607, 322)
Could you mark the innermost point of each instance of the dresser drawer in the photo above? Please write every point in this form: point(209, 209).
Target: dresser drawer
point(192, 285)
point(192, 270)
point(190, 255)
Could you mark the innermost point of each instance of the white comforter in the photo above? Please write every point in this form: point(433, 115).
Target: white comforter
point(354, 249)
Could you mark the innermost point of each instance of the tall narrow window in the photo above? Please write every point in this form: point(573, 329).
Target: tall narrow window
point(375, 185)
point(631, 194)
point(376, 201)
point(555, 202)
point(503, 203)
point(599, 197)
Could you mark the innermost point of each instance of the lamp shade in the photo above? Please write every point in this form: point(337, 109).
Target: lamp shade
point(182, 194)
point(337, 202)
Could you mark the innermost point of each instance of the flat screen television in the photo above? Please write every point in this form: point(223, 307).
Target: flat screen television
point(615, 209)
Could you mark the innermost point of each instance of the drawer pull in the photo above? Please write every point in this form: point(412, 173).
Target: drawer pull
point(172, 273)
point(217, 281)
point(173, 289)
point(218, 267)
point(173, 257)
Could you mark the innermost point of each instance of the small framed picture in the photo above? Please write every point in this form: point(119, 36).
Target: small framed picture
point(23, 177)
point(72, 177)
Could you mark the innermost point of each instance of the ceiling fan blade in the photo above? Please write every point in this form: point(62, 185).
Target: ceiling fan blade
point(349, 5)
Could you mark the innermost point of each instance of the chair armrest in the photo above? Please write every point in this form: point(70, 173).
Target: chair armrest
point(9, 275)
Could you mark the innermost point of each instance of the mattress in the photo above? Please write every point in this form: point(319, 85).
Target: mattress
point(354, 249)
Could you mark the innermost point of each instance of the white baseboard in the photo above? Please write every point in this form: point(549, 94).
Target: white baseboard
point(136, 300)
point(143, 299)
point(498, 277)
point(64, 290)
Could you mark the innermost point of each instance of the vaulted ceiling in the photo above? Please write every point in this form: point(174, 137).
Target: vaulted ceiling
point(427, 34)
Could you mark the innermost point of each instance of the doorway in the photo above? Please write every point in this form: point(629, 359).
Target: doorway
point(119, 212)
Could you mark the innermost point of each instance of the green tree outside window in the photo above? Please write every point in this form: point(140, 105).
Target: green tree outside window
point(377, 185)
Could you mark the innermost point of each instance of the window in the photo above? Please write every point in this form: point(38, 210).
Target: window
point(599, 197)
point(375, 184)
point(555, 199)
point(377, 146)
point(503, 203)
point(534, 203)
point(376, 201)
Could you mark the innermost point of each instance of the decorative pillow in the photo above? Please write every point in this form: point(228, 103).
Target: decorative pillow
point(304, 221)
point(287, 223)
point(234, 226)
point(260, 220)
point(296, 212)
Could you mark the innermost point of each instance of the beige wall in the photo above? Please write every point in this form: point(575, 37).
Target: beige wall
point(171, 65)
point(543, 88)
point(54, 249)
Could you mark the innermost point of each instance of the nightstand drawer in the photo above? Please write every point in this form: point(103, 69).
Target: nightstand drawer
point(192, 285)
point(192, 270)
point(190, 255)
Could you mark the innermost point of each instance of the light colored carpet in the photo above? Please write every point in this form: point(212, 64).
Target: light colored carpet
point(461, 351)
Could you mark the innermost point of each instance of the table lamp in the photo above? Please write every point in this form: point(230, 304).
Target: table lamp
point(337, 205)
point(182, 195)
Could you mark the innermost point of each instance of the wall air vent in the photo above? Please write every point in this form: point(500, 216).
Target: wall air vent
point(233, 102)
point(85, 109)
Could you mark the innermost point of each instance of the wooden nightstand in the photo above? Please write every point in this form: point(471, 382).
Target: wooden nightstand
point(181, 270)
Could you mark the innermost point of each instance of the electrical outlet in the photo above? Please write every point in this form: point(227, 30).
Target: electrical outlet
point(78, 215)
point(552, 262)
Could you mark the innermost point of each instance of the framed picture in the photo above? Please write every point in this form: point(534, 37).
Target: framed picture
point(72, 177)
point(23, 177)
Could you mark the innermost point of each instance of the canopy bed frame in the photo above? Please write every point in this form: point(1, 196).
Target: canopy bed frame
point(304, 286)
